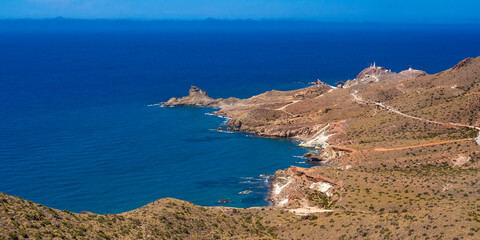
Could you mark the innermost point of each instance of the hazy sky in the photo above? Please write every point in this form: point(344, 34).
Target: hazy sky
point(324, 10)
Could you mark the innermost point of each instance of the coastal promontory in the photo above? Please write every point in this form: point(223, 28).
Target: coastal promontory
point(198, 97)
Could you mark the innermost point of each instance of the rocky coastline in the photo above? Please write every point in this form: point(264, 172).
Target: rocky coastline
point(306, 115)
point(319, 116)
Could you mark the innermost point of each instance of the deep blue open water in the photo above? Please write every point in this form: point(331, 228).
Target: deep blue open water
point(76, 132)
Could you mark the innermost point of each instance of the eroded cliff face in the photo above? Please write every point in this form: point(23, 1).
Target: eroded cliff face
point(297, 187)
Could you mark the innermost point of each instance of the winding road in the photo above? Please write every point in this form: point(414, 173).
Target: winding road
point(296, 101)
point(359, 99)
point(420, 145)
point(283, 108)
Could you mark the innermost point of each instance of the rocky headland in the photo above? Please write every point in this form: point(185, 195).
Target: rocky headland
point(198, 97)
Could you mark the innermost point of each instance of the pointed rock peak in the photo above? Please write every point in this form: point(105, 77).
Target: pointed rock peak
point(198, 97)
point(321, 83)
point(195, 90)
point(318, 82)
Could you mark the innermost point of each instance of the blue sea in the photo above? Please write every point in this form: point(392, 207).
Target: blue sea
point(76, 132)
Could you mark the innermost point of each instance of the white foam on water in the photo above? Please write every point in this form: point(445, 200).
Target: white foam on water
point(246, 182)
point(221, 131)
point(156, 105)
point(245, 192)
point(224, 122)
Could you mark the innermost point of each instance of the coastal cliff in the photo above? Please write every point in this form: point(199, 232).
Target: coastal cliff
point(401, 156)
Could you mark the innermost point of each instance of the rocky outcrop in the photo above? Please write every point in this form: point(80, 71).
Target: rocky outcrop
point(463, 63)
point(372, 71)
point(318, 82)
point(313, 158)
point(411, 73)
point(374, 74)
point(297, 187)
point(324, 156)
point(460, 160)
point(322, 141)
point(198, 97)
point(319, 140)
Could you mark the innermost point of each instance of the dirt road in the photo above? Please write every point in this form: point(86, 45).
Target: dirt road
point(360, 100)
point(421, 145)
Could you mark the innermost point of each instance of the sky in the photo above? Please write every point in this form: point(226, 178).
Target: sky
point(421, 11)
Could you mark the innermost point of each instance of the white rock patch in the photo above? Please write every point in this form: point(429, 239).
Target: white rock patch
point(345, 167)
point(277, 187)
point(284, 201)
point(322, 187)
point(461, 160)
point(319, 140)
